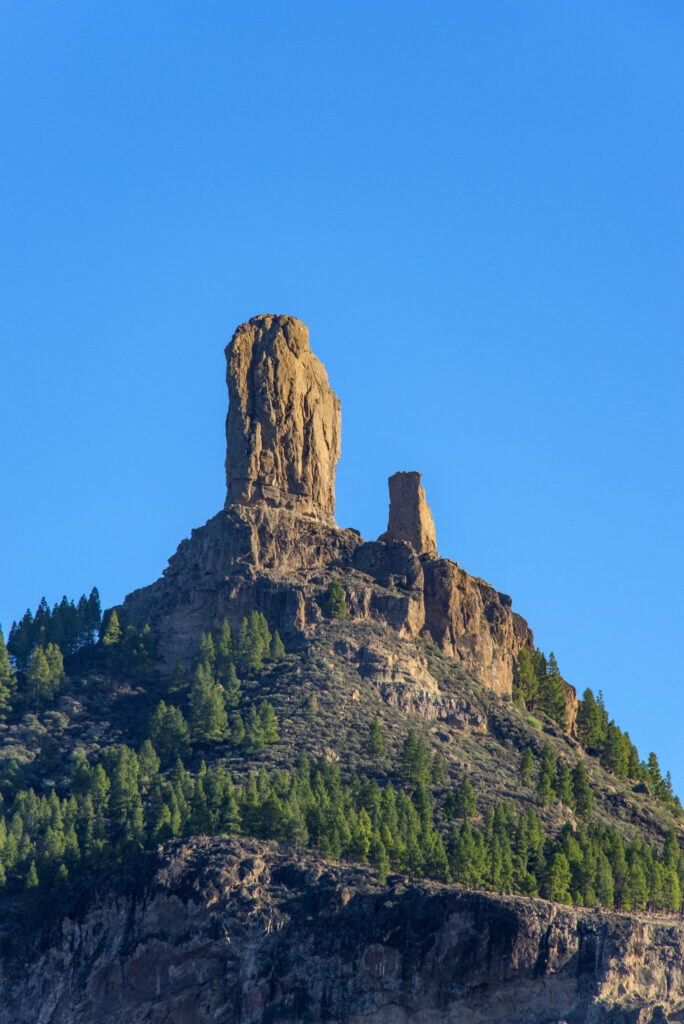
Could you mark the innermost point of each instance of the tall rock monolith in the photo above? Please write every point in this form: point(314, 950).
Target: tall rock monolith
point(283, 425)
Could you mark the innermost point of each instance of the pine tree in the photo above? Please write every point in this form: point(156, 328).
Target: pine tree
point(223, 644)
point(336, 601)
point(547, 775)
point(378, 857)
point(251, 646)
point(94, 613)
point(55, 662)
point(277, 651)
point(125, 806)
point(415, 760)
point(208, 719)
point(83, 635)
point(148, 763)
point(564, 788)
point(545, 790)
point(526, 765)
point(31, 883)
point(584, 799)
point(254, 730)
point(552, 694)
point(206, 652)
point(376, 746)
point(589, 730)
point(548, 759)
point(437, 770)
point(615, 753)
point(169, 733)
point(7, 680)
point(466, 800)
point(557, 882)
point(38, 675)
point(237, 730)
point(604, 884)
point(269, 722)
point(527, 685)
point(21, 640)
point(260, 626)
point(232, 693)
point(111, 629)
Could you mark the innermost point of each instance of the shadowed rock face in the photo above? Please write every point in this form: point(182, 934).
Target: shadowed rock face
point(410, 518)
point(243, 932)
point(283, 425)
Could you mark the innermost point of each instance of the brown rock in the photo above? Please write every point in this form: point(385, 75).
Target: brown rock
point(473, 622)
point(276, 546)
point(410, 518)
point(283, 425)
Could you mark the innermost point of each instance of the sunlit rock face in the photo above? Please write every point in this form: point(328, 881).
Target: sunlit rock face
point(410, 518)
point(275, 546)
point(283, 425)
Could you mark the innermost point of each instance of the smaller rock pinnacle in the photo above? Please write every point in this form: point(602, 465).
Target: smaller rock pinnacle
point(410, 518)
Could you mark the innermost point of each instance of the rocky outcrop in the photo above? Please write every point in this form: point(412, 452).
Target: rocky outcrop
point(473, 622)
point(246, 557)
point(283, 425)
point(244, 932)
point(410, 518)
point(276, 547)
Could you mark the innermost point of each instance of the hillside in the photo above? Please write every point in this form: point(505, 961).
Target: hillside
point(370, 706)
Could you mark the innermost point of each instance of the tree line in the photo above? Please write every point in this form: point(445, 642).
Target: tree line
point(539, 687)
point(126, 802)
point(68, 626)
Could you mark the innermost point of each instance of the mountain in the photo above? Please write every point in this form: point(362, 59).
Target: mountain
point(308, 777)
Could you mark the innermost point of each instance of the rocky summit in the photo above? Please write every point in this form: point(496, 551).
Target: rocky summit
point(307, 778)
point(276, 541)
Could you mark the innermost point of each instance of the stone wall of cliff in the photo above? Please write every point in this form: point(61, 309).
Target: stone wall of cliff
point(276, 546)
point(244, 932)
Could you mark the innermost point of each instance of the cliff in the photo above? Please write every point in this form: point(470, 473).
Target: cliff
point(275, 546)
point(246, 932)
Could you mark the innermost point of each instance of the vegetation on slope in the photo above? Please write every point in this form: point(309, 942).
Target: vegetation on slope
point(220, 749)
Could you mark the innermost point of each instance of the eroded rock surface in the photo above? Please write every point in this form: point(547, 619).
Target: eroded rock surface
point(283, 425)
point(276, 546)
point(244, 932)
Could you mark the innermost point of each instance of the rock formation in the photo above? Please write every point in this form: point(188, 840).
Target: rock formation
point(276, 547)
point(244, 932)
point(283, 425)
point(410, 518)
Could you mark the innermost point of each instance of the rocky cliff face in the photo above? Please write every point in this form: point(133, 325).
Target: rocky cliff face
point(283, 425)
point(276, 546)
point(244, 932)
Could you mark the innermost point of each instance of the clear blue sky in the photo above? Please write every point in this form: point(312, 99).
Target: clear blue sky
point(477, 208)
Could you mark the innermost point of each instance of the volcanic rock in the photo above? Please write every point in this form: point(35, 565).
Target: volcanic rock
point(283, 425)
point(244, 932)
point(410, 518)
point(276, 547)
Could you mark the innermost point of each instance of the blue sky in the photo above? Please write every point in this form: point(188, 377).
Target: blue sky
point(478, 210)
